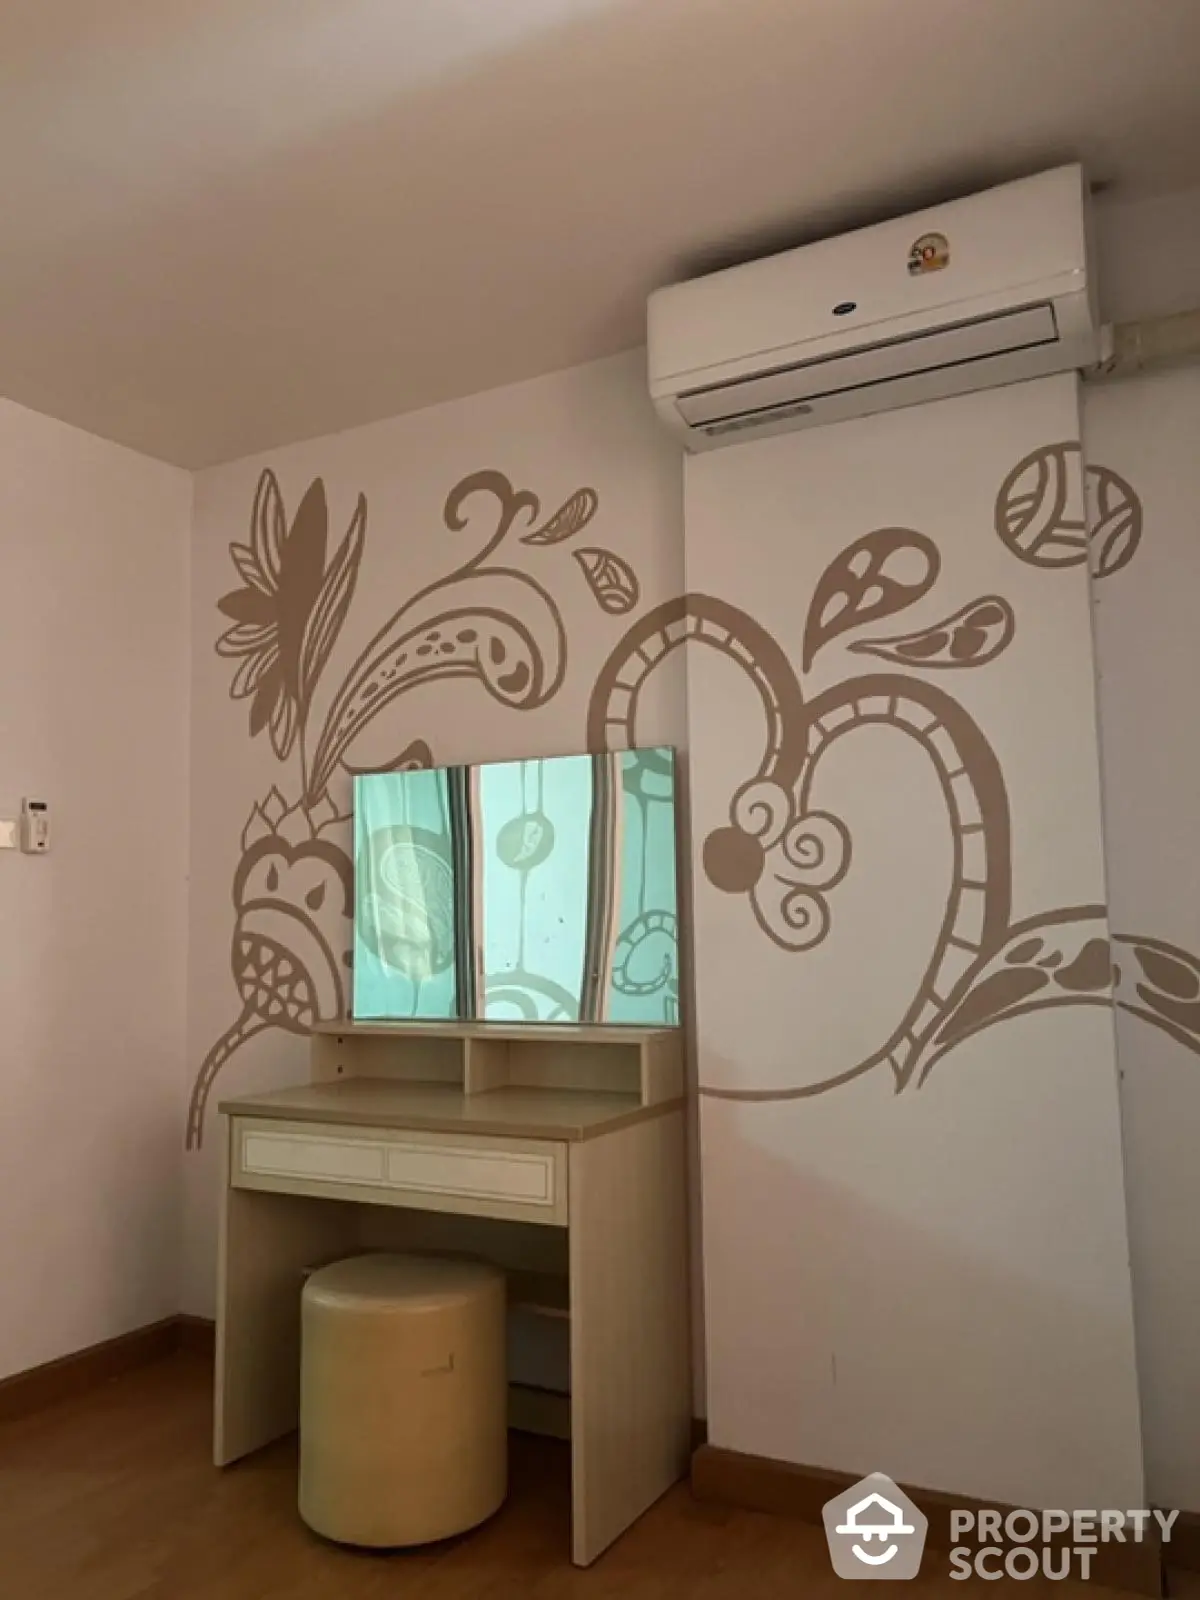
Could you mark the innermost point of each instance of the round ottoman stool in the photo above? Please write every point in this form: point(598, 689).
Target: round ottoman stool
point(403, 1398)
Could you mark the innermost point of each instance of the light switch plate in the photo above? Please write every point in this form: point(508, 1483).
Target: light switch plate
point(10, 833)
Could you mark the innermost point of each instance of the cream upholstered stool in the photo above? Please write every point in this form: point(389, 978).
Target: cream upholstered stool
point(403, 1398)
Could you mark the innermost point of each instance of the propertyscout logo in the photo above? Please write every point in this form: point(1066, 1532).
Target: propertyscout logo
point(875, 1531)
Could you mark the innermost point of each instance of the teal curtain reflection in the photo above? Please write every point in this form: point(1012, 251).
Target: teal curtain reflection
point(405, 934)
point(644, 981)
point(539, 890)
point(534, 820)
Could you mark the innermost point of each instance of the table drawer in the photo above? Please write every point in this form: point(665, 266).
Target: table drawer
point(520, 1179)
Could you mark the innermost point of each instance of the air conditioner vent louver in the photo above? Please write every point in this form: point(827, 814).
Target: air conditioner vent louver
point(714, 430)
point(793, 390)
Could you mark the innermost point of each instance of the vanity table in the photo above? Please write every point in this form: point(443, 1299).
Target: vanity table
point(556, 1151)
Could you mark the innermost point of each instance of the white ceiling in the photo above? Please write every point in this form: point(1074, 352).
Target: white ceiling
point(228, 224)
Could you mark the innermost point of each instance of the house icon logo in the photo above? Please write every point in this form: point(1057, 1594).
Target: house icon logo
point(874, 1530)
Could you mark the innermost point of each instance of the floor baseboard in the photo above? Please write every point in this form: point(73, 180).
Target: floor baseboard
point(73, 1375)
point(756, 1483)
point(726, 1477)
point(1184, 1548)
point(26, 1392)
point(198, 1335)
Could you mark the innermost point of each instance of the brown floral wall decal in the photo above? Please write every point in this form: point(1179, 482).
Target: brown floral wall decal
point(1161, 984)
point(415, 757)
point(499, 626)
point(611, 580)
point(716, 625)
point(975, 634)
point(1038, 517)
point(1035, 514)
point(288, 972)
point(287, 615)
point(574, 514)
point(1114, 520)
point(876, 576)
point(787, 857)
point(1069, 957)
point(484, 619)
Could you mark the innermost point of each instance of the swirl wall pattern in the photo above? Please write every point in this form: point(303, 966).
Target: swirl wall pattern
point(786, 858)
point(490, 620)
point(493, 620)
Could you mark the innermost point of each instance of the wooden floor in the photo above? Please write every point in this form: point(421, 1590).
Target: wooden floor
point(112, 1498)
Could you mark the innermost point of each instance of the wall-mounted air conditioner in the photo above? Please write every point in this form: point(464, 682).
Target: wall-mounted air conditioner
point(978, 292)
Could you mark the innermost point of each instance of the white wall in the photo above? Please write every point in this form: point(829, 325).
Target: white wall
point(93, 718)
point(915, 1259)
point(589, 428)
point(1148, 641)
point(1148, 255)
point(1148, 659)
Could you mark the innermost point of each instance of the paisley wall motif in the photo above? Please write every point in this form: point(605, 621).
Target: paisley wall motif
point(786, 857)
point(486, 620)
point(499, 626)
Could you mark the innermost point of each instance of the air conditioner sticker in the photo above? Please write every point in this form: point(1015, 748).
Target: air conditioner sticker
point(930, 253)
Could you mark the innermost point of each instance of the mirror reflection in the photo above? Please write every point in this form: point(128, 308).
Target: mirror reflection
point(534, 891)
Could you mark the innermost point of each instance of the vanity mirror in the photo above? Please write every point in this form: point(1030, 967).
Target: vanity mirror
point(541, 890)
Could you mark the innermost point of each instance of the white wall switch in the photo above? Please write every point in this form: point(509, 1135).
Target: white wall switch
point(10, 833)
point(35, 827)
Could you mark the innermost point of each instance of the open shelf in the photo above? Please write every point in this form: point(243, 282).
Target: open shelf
point(481, 1058)
point(448, 1028)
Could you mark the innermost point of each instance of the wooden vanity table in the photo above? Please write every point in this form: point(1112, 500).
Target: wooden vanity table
point(557, 1151)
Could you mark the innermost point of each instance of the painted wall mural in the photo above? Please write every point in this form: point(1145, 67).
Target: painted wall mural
point(500, 626)
point(936, 1202)
point(786, 856)
point(485, 620)
point(1034, 517)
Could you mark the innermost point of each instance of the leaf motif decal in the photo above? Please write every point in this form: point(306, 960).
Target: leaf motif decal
point(248, 568)
point(566, 522)
point(512, 502)
point(268, 527)
point(882, 573)
point(329, 612)
point(301, 574)
point(611, 579)
point(975, 634)
point(1114, 520)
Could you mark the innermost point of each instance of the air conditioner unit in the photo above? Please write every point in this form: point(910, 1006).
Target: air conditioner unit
point(975, 293)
